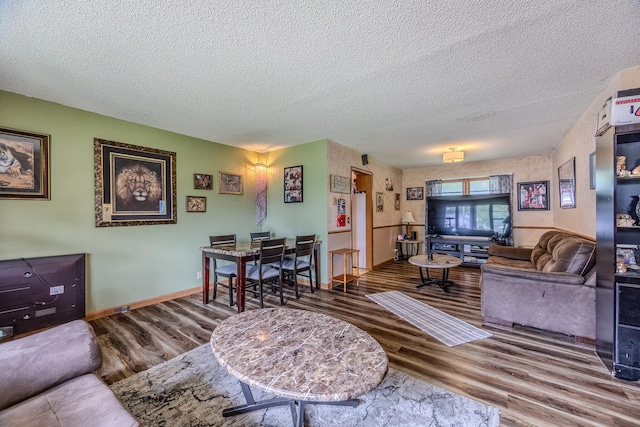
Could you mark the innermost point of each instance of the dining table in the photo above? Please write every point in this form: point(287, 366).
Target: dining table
point(241, 253)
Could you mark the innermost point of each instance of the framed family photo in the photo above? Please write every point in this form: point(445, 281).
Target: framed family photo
point(415, 193)
point(293, 184)
point(133, 185)
point(24, 165)
point(230, 183)
point(533, 196)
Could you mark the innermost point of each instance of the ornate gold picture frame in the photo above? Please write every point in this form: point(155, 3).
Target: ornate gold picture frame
point(133, 185)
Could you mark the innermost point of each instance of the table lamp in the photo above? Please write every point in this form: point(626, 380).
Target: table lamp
point(407, 220)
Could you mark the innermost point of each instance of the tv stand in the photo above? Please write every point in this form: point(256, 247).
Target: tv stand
point(472, 252)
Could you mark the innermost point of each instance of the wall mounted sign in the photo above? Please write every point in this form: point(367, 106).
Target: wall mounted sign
point(339, 184)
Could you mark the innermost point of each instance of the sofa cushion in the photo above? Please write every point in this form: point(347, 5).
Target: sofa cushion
point(511, 263)
point(572, 255)
point(541, 253)
point(82, 401)
point(28, 366)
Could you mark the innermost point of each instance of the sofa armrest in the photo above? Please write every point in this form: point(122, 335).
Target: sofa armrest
point(43, 360)
point(521, 275)
point(523, 254)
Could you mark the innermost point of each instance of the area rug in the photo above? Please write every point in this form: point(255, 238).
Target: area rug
point(445, 328)
point(193, 389)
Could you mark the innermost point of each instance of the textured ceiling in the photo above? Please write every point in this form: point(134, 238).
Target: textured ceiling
point(399, 80)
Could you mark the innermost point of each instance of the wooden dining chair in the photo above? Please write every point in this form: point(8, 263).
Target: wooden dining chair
point(260, 235)
point(228, 270)
point(301, 264)
point(271, 255)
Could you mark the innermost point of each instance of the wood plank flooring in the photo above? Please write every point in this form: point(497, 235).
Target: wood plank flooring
point(534, 378)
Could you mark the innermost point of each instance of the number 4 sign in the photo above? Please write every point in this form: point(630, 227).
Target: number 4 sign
point(625, 110)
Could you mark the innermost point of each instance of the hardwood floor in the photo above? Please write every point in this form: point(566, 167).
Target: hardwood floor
point(534, 378)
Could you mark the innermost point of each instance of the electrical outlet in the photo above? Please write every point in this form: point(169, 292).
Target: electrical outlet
point(199, 275)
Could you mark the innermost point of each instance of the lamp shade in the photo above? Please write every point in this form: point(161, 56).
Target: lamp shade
point(407, 218)
point(453, 156)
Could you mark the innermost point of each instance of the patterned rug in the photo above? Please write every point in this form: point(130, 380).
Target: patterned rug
point(445, 328)
point(192, 390)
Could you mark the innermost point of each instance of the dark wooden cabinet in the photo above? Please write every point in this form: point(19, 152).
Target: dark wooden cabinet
point(618, 289)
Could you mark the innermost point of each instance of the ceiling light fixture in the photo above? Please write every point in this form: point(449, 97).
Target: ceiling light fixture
point(453, 156)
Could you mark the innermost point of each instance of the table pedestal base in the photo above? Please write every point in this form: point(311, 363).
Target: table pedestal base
point(429, 280)
point(296, 406)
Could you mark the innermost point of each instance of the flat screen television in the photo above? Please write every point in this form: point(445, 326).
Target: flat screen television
point(482, 216)
point(36, 293)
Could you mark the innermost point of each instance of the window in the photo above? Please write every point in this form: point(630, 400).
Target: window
point(450, 188)
point(465, 186)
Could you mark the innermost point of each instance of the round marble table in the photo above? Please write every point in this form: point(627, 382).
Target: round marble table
point(444, 262)
point(300, 356)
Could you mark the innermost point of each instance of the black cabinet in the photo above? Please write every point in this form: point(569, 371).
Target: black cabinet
point(618, 252)
point(472, 252)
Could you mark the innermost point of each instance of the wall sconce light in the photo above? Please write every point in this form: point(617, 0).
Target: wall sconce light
point(261, 170)
point(453, 156)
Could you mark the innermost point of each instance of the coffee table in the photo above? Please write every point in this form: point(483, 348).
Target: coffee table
point(444, 262)
point(300, 356)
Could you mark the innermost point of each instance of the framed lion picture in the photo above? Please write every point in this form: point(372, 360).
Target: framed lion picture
point(134, 185)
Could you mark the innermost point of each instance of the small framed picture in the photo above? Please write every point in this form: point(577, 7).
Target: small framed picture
point(293, 184)
point(379, 202)
point(415, 193)
point(533, 196)
point(230, 183)
point(202, 181)
point(397, 201)
point(196, 204)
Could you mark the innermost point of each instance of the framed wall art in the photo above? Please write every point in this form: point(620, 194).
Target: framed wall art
point(379, 202)
point(415, 193)
point(202, 181)
point(133, 185)
point(567, 183)
point(293, 184)
point(397, 201)
point(339, 184)
point(592, 170)
point(230, 183)
point(24, 165)
point(196, 204)
point(533, 196)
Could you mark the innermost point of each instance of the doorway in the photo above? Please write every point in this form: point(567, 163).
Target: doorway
point(362, 216)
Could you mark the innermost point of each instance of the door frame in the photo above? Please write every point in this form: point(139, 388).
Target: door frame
point(364, 182)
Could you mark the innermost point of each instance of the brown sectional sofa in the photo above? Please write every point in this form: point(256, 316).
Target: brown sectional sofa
point(549, 287)
point(46, 379)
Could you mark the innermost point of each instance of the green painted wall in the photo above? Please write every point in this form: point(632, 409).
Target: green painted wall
point(125, 264)
point(310, 216)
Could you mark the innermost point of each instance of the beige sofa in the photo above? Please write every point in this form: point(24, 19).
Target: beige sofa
point(549, 287)
point(46, 379)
